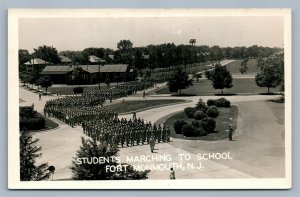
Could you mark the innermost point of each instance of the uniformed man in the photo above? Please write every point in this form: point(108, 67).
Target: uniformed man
point(230, 132)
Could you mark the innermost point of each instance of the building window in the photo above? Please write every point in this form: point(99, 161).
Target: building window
point(84, 76)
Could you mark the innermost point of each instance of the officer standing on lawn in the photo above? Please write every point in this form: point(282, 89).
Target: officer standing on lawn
point(230, 132)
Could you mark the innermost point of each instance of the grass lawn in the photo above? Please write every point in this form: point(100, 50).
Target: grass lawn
point(240, 86)
point(234, 67)
point(130, 106)
point(222, 122)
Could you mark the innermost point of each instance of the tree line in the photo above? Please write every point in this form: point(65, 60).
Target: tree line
point(152, 56)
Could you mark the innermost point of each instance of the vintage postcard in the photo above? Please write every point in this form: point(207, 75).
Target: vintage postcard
point(149, 99)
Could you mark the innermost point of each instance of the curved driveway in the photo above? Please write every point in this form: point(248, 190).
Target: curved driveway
point(59, 146)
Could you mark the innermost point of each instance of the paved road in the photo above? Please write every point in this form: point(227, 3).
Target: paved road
point(60, 145)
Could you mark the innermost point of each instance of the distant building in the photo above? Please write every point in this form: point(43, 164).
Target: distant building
point(95, 60)
point(89, 74)
point(36, 64)
point(65, 60)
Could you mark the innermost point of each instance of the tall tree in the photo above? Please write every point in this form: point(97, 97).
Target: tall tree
point(221, 77)
point(24, 56)
point(124, 45)
point(29, 152)
point(271, 73)
point(180, 80)
point(97, 171)
point(193, 41)
point(45, 82)
point(47, 53)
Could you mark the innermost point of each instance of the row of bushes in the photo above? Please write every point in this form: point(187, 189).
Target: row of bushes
point(197, 128)
point(194, 112)
point(78, 90)
point(221, 102)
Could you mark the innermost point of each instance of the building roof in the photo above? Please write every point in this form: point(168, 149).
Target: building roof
point(111, 57)
point(56, 70)
point(36, 61)
point(64, 59)
point(93, 59)
point(105, 68)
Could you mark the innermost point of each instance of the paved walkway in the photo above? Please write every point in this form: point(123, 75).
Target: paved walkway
point(59, 146)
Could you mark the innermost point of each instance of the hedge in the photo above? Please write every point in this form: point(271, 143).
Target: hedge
point(190, 131)
point(78, 90)
point(34, 123)
point(178, 124)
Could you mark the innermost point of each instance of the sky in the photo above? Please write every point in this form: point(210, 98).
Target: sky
point(80, 33)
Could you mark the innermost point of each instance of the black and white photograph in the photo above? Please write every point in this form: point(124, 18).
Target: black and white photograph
point(149, 99)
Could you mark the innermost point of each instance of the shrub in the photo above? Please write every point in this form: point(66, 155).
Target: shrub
point(201, 131)
point(212, 111)
point(208, 74)
point(211, 102)
point(196, 123)
point(199, 115)
point(35, 123)
point(178, 124)
point(201, 105)
point(189, 131)
point(222, 102)
point(78, 90)
point(27, 112)
point(189, 111)
point(208, 124)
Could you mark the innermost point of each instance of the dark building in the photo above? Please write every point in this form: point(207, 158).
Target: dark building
point(89, 74)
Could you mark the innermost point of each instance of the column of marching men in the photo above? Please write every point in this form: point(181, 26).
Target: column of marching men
point(102, 123)
point(121, 90)
point(122, 132)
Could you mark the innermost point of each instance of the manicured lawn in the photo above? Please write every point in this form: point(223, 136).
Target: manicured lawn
point(240, 86)
point(234, 67)
point(222, 122)
point(130, 106)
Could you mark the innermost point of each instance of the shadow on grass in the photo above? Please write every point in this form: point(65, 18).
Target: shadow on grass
point(225, 94)
point(271, 93)
point(183, 95)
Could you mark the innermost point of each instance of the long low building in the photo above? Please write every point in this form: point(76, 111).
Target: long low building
point(89, 74)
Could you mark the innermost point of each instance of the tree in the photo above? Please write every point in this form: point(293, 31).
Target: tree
point(193, 41)
point(180, 80)
point(97, 171)
point(47, 53)
point(244, 67)
point(24, 56)
point(124, 45)
point(271, 73)
point(45, 82)
point(221, 77)
point(29, 171)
